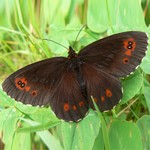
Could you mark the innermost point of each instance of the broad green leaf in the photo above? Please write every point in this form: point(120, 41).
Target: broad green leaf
point(144, 126)
point(145, 65)
point(67, 131)
point(81, 135)
point(146, 61)
point(130, 16)
point(115, 15)
point(44, 115)
point(99, 142)
point(131, 86)
point(97, 15)
point(124, 135)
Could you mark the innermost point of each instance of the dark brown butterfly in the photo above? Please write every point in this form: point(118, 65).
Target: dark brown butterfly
point(67, 84)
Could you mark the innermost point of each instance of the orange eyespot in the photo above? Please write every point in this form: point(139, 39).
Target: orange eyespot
point(74, 107)
point(129, 44)
point(108, 93)
point(20, 83)
point(102, 98)
point(34, 93)
point(128, 53)
point(81, 103)
point(66, 107)
point(27, 88)
point(125, 60)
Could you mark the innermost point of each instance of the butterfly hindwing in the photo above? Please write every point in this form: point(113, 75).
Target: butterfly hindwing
point(104, 88)
point(35, 83)
point(118, 54)
point(68, 103)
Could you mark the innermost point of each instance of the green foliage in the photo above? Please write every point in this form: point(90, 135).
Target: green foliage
point(130, 90)
point(124, 135)
point(22, 25)
point(143, 124)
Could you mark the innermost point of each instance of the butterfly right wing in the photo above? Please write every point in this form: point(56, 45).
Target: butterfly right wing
point(103, 87)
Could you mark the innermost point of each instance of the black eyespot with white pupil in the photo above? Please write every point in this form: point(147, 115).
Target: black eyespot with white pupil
point(130, 43)
point(19, 82)
point(129, 47)
point(22, 85)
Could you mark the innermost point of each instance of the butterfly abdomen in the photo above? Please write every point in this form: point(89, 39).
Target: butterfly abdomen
point(76, 64)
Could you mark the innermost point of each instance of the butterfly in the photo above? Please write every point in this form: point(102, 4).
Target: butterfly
point(67, 83)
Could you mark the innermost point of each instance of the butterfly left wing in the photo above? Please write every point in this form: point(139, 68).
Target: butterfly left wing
point(118, 54)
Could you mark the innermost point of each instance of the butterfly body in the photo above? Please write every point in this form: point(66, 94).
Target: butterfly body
point(67, 84)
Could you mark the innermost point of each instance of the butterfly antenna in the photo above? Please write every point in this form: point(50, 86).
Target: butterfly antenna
point(51, 41)
point(55, 42)
point(79, 33)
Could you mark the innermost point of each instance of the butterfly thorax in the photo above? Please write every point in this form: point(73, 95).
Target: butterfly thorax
point(73, 59)
point(71, 53)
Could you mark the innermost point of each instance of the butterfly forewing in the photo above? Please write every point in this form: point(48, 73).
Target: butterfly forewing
point(35, 83)
point(118, 54)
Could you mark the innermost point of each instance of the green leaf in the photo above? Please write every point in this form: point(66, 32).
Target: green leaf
point(146, 9)
point(147, 96)
point(124, 135)
point(99, 142)
point(8, 120)
point(5, 100)
point(146, 62)
point(43, 115)
point(22, 141)
point(144, 126)
point(115, 15)
point(97, 16)
point(38, 127)
point(81, 135)
point(131, 86)
point(130, 16)
point(103, 126)
point(50, 141)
